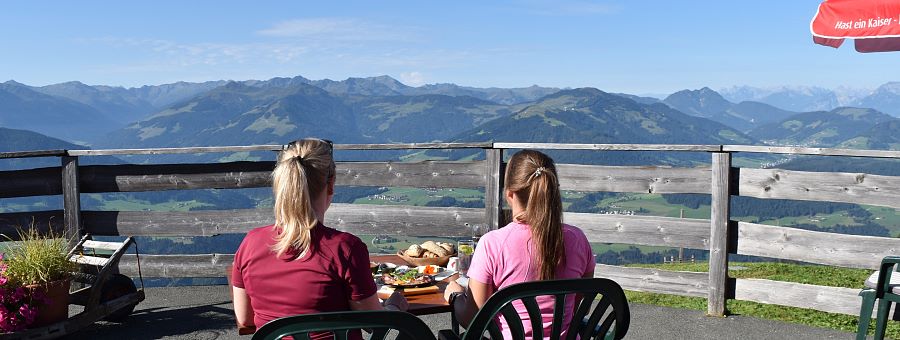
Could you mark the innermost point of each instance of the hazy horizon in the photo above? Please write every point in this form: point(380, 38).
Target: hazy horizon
point(638, 48)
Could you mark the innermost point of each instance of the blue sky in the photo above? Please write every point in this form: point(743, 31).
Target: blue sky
point(623, 46)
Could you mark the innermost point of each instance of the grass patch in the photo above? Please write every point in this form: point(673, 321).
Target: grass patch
point(787, 272)
point(419, 197)
point(600, 248)
point(807, 274)
point(139, 205)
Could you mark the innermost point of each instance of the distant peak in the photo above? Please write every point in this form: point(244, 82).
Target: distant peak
point(893, 87)
point(234, 85)
point(13, 82)
point(73, 82)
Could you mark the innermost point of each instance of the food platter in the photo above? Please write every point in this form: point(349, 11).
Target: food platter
point(399, 281)
point(406, 277)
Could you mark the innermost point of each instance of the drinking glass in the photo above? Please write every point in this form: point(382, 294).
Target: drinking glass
point(465, 249)
point(478, 230)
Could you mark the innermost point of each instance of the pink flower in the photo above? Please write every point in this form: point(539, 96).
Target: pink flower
point(3, 280)
point(9, 322)
point(19, 294)
point(29, 313)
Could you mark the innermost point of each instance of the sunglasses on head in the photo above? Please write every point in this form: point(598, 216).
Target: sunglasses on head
point(326, 141)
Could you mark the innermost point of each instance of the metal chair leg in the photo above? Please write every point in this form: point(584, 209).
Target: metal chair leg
point(865, 313)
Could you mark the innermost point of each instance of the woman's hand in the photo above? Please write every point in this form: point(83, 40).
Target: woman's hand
point(452, 287)
point(396, 302)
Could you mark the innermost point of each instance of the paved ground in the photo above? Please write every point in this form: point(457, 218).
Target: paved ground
point(205, 313)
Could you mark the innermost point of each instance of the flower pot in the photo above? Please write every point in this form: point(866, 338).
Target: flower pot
point(57, 307)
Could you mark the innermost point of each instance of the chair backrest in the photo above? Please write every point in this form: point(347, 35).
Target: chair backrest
point(408, 326)
point(609, 319)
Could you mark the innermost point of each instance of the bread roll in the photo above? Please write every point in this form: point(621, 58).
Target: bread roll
point(435, 248)
point(429, 255)
point(414, 251)
point(448, 247)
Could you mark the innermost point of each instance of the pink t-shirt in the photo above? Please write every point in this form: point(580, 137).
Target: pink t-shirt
point(503, 258)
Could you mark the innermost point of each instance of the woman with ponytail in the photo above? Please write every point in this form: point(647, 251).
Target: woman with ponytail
point(298, 265)
point(536, 245)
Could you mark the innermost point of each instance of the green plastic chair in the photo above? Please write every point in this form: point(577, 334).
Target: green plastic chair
point(886, 290)
point(409, 327)
point(609, 318)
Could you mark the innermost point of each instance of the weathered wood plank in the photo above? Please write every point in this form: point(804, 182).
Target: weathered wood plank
point(641, 179)
point(492, 192)
point(161, 151)
point(354, 218)
point(827, 299)
point(428, 174)
point(102, 245)
point(718, 238)
point(642, 230)
point(35, 153)
point(154, 177)
point(820, 186)
point(403, 220)
point(609, 147)
point(90, 260)
point(813, 246)
point(401, 146)
point(176, 266)
point(794, 150)
point(655, 280)
point(44, 221)
point(71, 192)
point(128, 178)
point(274, 147)
point(31, 182)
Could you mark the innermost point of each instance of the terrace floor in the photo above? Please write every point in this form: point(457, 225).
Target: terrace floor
point(205, 312)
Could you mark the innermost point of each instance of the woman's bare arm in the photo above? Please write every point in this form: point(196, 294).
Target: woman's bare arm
point(243, 311)
point(467, 305)
point(396, 302)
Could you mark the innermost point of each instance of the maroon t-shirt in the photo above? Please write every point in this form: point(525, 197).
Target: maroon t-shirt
point(333, 272)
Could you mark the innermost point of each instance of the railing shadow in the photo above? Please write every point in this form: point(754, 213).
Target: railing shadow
point(212, 321)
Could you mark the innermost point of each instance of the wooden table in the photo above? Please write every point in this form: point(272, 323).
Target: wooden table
point(423, 304)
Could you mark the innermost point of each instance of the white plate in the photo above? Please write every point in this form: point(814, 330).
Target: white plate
point(444, 274)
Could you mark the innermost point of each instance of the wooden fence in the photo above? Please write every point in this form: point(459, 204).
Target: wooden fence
point(719, 234)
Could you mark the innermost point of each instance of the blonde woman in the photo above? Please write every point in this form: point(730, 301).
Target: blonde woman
point(536, 245)
point(298, 265)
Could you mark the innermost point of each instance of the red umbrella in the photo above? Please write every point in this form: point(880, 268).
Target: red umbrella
point(874, 24)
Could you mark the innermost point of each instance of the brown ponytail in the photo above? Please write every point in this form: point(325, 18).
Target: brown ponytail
point(532, 176)
point(302, 173)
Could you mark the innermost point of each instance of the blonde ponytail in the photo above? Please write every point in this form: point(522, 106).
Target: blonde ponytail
point(302, 173)
point(532, 176)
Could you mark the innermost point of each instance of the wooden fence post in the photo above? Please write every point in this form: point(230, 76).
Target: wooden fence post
point(71, 199)
point(718, 237)
point(492, 203)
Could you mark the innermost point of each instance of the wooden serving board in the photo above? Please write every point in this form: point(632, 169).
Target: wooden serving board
point(386, 291)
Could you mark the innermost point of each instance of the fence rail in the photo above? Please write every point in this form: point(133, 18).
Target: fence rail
point(719, 234)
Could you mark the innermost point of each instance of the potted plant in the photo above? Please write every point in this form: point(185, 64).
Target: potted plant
point(35, 275)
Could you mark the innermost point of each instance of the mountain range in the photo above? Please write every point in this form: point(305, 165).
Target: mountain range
point(885, 98)
point(709, 104)
point(821, 128)
point(382, 109)
point(588, 115)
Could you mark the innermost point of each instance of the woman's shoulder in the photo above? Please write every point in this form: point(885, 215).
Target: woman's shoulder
point(569, 229)
point(260, 232)
point(337, 236)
